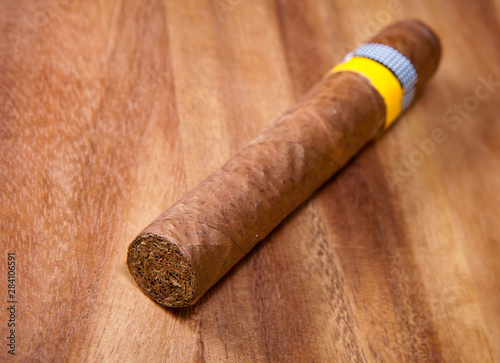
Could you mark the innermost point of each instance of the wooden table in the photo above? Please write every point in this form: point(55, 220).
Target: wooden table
point(110, 111)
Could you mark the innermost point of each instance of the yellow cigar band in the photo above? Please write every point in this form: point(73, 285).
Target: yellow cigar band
point(384, 81)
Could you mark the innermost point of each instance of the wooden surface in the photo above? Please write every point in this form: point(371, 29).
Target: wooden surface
point(110, 111)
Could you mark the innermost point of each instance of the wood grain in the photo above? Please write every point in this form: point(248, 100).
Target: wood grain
point(110, 111)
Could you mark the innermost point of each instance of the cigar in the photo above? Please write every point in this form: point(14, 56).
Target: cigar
point(191, 245)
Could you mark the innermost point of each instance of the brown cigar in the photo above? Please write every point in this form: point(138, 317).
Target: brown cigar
point(191, 245)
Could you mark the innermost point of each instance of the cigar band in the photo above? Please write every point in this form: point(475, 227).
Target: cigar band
point(391, 73)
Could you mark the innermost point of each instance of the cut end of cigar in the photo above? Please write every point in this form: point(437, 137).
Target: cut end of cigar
point(161, 271)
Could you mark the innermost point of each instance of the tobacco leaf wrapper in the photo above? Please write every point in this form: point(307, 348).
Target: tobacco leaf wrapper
point(191, 245)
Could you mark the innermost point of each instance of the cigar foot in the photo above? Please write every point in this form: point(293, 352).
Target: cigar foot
point(160, 269)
